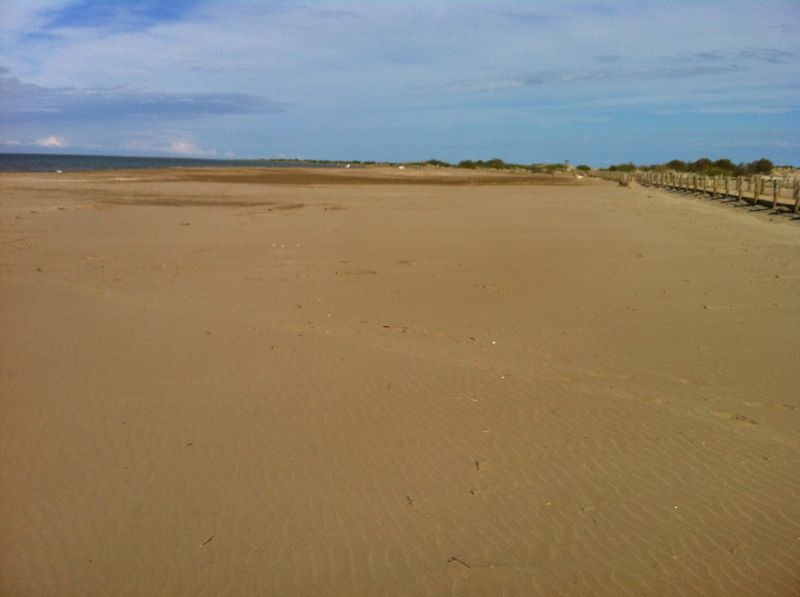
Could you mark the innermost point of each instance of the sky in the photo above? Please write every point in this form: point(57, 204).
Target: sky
point(594, 82)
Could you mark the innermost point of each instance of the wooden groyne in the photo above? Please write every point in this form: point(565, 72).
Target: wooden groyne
point(776, 192)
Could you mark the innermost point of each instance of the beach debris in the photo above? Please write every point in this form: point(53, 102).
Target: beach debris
point(462, 562)
point(477, 465)
point(207, 541)
point(743, 418)
point(409, 500)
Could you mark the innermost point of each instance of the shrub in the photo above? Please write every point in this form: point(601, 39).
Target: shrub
point(762, 166)
point(629, 167)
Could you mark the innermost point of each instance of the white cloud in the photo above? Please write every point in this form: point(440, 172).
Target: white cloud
point(52, 141)
point(175, 142)
point(17, 18)
point(10, 142)
point(381, 80)
point(188, 148)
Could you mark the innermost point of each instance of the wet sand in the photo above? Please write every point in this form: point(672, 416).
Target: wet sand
point(347, 382)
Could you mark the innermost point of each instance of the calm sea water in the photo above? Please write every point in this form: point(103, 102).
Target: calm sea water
point(35, 162)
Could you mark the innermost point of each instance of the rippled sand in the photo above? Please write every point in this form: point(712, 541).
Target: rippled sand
point(310, 383)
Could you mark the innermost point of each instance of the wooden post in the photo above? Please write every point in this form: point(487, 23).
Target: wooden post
point(714, 188)
point(755, 190)
point(727, 185)
point(796, 194)
point(776, 189)
point(740, 186)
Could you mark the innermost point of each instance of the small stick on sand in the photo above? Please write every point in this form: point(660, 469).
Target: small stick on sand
point(462, 562)
point(207, 541)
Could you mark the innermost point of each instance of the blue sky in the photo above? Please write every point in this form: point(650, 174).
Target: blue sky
point(539, 81)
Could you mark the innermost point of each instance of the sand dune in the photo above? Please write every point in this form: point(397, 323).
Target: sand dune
point(310, 383)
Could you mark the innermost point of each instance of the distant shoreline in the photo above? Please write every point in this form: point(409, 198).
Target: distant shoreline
point(46, 162)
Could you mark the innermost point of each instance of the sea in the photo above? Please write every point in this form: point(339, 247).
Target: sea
point(40, 162)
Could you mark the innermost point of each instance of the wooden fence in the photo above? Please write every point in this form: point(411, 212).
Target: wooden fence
point(777, 192)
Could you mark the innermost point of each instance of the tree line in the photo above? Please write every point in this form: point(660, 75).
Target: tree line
point(498, 164)
point(704, 166)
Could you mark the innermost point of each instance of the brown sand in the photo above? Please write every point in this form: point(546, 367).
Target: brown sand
point(305, 383)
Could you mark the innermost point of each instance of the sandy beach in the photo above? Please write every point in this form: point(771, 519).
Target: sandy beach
point(383, 382)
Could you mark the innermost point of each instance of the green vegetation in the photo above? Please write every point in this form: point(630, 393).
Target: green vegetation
point(704, 166)
point(547, 168)
point(498, 164)
point(629, 167)
point(492, 164)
